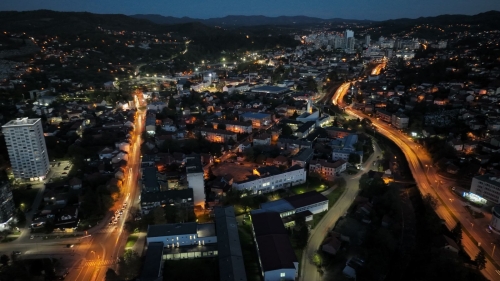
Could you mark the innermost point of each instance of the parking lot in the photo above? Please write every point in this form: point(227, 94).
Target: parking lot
point(237, 170)
point(59, 169)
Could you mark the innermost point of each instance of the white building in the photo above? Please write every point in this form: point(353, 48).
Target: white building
point(400, 121)
point(195, 178)
point(312, 201)
point(26, 148)
point(176, 235)
point(487, 187)
point(271, 179)
point(347, 148)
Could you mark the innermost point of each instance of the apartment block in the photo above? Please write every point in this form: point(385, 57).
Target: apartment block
point(273, 180)
point(26, 147)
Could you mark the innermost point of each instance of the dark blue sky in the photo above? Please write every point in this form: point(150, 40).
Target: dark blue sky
point(348, 9)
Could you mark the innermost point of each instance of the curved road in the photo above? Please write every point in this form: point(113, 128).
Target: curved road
point(429, 182)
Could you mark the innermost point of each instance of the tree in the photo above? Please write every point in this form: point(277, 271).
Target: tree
point(430, 201)
point(354, 158)
point(159, 215)
point(480, 259)
point(111, 275)
point(457, 233)
point(300, 232)
point(4, 259)
point(286, 130)
point(129, 265)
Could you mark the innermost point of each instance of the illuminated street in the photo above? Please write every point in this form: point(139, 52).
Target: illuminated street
point(108, 243)
point(427, 180)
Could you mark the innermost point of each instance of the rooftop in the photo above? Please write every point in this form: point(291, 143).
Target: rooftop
point(172, 229)
point(306, 199)
point(193, 164)
point(21, 122)
point(231, 266)
point(206, 230)
point(255, 115)
point(151, 268)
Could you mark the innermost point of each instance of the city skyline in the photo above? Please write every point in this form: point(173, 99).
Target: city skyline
point(360, 9)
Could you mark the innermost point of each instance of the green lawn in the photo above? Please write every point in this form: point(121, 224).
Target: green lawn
point(334, 196)
point(131, 241)
point(302, 188)
point(317, 218)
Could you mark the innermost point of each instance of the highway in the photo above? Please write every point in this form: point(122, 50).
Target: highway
point(318, 234)
point(429, 182)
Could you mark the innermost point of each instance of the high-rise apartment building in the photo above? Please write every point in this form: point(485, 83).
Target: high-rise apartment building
point(367, 40)
point(26, 147)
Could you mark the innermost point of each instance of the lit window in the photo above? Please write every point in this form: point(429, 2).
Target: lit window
point(282, 274)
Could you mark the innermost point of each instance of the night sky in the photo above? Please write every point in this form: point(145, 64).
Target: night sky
point(348, 9)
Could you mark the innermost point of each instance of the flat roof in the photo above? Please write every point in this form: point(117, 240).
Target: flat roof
point(306, 199)
point(255, 115)
point(304, 154)
point(269, 89)
point(172, 229)
point(167, 195)
point(206, 230)
point(150, 181)
point(231, 266)
point(21, 122)
point(193, 164)
point(279, 206)
point(151, 268)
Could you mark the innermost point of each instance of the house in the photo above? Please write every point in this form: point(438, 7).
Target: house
point(458, 145)
point(75, 183)
point(280, 161)
point(216, 135)
point(449, 244)
point(258, 119)
point(277, 258)
point(234, 126)
point(303, 157)
point(328, 169)
point(331, 245)
point(338, 133)
point(262, 139)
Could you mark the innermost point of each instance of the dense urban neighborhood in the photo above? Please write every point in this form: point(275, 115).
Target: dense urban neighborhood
point(134, 150)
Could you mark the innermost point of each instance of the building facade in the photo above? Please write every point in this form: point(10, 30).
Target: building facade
point(195, 178)
point(216, 135)
point(293, 176)
point(26, 147)
point(234, 126)
point(487, 187)
point(400, 121)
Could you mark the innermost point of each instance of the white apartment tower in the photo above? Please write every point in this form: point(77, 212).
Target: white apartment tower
point(26, 147)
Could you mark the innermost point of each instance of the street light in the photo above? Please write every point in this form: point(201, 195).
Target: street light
point(494, 246)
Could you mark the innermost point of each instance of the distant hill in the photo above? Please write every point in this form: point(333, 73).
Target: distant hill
point(236, 20)
point(60, 23)
point(449, 23)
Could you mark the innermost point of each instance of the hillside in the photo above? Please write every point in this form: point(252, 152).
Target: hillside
point(240, 20)
point(442, 26)
point(45, 22)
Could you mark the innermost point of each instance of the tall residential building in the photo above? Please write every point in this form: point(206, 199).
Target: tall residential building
point(367, 40)
point(26, 147)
